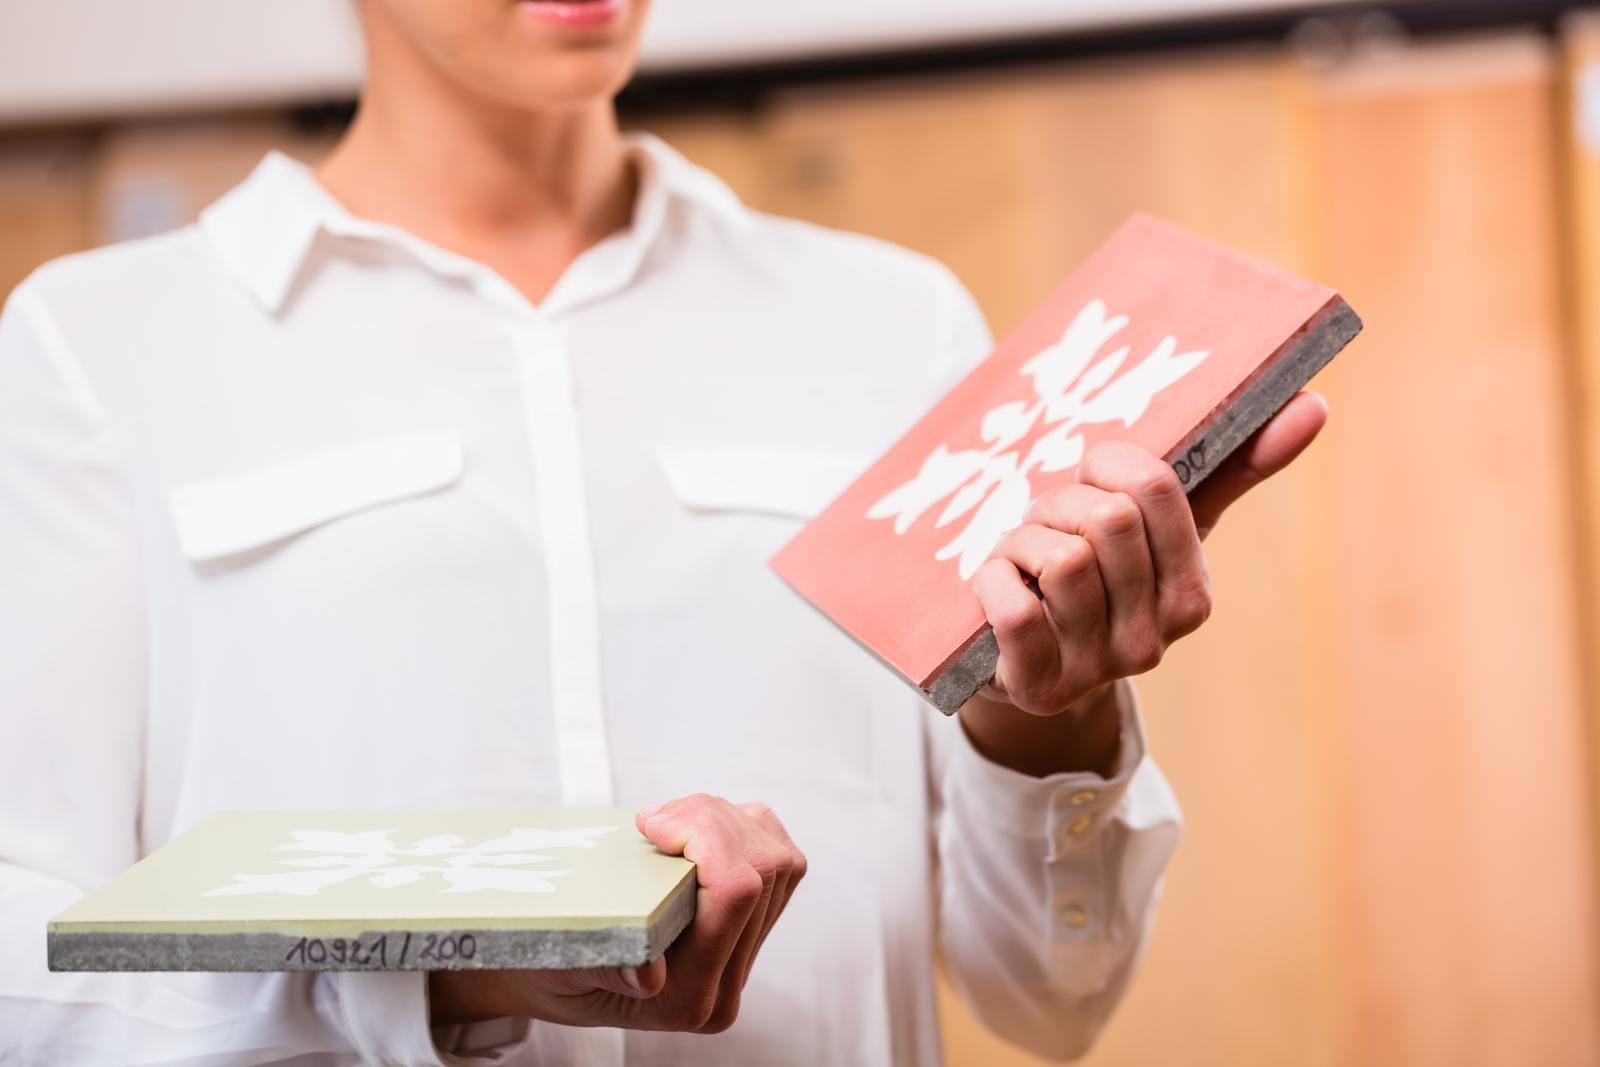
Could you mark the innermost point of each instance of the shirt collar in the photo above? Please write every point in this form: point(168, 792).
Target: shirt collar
point(262, 231)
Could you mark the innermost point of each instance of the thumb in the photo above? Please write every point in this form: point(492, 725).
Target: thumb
point(664, 827)
point(1268, 451)
point(637, 983)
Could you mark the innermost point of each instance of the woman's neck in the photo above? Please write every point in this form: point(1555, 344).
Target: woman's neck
point(524, 192)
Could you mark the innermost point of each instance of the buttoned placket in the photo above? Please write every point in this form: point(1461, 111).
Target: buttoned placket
point(539, 343)
point(551, 411)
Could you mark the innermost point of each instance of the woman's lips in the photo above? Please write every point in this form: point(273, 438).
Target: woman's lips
point(578, 13)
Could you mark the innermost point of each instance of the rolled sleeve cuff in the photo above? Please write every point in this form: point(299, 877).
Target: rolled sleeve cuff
point(1065, 808)
point(387, 1018)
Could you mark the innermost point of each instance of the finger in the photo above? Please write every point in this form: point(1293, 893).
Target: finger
point(769, 821)
point(1067, 574)
point(781, 850)
point(1113, 525)
point(1183, 587)
point(757, 850)
point(766, 856)
point(791, 866)
point(649, 978)
point(636, 983)
point(702, 829)
point(1268, 451)
point(1029, 669)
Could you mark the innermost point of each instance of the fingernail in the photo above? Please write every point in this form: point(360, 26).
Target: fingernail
point(649, 810)
point(658, 816)
point(630, 978)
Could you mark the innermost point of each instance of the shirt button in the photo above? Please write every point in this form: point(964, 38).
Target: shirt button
point(1073, 917)
point(1077, 826)
point(1083, 796)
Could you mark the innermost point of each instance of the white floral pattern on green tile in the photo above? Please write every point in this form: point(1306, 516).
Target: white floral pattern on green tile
point(503, 864)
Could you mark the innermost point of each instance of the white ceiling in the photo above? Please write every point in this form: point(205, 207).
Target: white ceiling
point(62, 59)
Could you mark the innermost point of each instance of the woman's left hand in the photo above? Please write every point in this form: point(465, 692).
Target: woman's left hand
point(1117, 562)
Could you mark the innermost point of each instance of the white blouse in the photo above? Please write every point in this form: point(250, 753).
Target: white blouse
point(300, 511)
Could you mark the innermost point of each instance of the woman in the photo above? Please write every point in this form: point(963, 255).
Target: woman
point(445, 477)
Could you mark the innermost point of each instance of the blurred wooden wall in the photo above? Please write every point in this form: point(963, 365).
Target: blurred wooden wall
point(1380, 739)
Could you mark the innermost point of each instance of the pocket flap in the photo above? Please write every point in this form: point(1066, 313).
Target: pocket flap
point(794, 482)
point(227, 516)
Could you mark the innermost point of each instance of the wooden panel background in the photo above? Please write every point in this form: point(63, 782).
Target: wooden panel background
point(1378, 739)
point(1455, 617)
point(45, 203)
point(1579, 123)
point(152, 177)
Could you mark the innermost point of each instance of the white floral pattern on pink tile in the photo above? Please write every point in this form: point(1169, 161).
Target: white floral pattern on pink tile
point(1072, 389)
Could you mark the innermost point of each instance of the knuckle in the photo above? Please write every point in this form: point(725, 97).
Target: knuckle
point(1116, 515)
point(697, 1009)
point(1049, 701)
point(1189, 612)
point(1031, 697)
point(745, 884)
point(766, 867)
point(1108, 463)
point(1035, 694)
point(782, 860)
point(994, 565)
point(1047, 503)
point(992, 573)
point(1140, 651)
point(1070, 559)
point(1021, 618)
point(777, 824)
point(723, 1014)
point(1031, 701)
point(1156, 480)
point(1101, 453)
point(1019, 696)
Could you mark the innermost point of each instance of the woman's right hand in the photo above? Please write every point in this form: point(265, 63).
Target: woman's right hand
point(747, 868)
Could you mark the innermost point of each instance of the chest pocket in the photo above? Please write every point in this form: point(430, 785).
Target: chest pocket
point(792, 483)
point(227, 517)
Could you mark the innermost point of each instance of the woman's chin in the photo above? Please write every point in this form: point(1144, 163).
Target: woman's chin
point(572, 79)
point(522, 54)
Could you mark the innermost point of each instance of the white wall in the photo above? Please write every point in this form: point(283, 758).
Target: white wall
point(64, 59)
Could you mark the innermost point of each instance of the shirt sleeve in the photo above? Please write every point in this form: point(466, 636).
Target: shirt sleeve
point(1047, 886)
point(72, 708)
